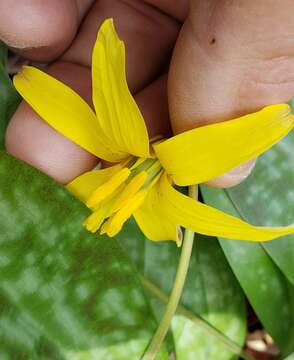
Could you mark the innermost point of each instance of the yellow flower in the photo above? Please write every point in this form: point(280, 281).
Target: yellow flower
point(141, 183)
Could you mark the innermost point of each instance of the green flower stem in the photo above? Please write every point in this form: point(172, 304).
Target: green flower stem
point(176, 292)
point(201, 323)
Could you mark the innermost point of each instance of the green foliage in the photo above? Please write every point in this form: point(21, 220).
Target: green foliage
point(9, 98)
point(211, 292)
point(290, 357)
point(267, 198)
point(267, 288)
point(265, 270)
point(66, 293)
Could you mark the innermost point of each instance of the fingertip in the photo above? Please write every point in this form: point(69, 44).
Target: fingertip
point(38, 30)
point(233, 177)
point(30, 139)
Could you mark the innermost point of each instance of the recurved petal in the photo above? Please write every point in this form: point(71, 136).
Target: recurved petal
point(83, 186)
point(201, 154)
point(204, 219)
point(152, 220)
point(118, 114)
point(64, 110)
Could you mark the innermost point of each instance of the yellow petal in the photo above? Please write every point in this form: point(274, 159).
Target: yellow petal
point(204, 219)
point(152, 220)
point(64, 110)
point(118, 114)
point(201, 154)
point(83, 186)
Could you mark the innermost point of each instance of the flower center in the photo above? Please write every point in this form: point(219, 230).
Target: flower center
point(115, 201)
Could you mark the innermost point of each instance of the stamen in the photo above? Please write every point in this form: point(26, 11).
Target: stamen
point(138, 162)
point(142, 165)
point(154, 173)
point(103, 211)
point(154, 169)
point(95, 220)
point(103, 191)
point(155, 179)
point(130, 190)
point(116, 200)
point(114, 224)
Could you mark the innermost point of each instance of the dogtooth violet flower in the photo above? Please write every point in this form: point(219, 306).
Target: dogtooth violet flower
point(141, 182)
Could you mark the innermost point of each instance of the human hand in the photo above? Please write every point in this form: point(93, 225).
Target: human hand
point(65, 30)
point(214, 76)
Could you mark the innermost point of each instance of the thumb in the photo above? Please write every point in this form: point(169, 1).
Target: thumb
point(231, 58)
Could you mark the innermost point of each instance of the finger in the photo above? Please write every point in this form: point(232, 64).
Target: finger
point(229, 62)
point(32, 140)
point(149, 35)
point(29, 138)
point(152, 102)
point(177, 9)
point(40, 30)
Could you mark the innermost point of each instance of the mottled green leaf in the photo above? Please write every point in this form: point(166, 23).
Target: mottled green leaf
point(65, 293)
point(267, 289)
point(267, 197)
point(211, 291)
point(290, 357)
point(9, 98)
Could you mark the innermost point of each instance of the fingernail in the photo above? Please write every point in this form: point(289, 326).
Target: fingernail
point(234, 176)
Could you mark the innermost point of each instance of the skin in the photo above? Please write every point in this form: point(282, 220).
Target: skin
point(227, 58)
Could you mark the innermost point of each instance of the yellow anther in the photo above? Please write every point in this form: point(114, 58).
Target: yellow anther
point(114, 201)
point(130, 190)
point(114, 224)
point(102, 212)
point(95, 220)
point(103, 191)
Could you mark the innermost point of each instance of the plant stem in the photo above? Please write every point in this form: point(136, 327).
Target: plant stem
point(201, 323)
point(176, 292)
